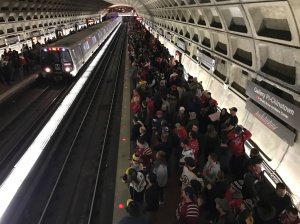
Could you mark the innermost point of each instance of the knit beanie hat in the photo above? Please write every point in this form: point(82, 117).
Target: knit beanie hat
point(249, 204)
point(237, 185)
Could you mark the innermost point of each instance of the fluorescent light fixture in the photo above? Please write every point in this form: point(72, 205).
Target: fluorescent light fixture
point(21, 169)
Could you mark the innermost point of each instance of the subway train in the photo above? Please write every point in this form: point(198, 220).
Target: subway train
point(65, 57)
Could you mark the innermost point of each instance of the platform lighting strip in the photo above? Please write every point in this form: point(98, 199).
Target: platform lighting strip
point(21, 169)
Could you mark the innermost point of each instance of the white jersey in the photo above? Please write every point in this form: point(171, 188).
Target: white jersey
point(186, 153)
point(140, 186)
point(187, 176)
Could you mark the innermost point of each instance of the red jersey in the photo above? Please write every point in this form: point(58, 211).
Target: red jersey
point(181, 133)
point(234, 199)
point(236, 141)
point(194, 146)
point(187, 213)
point(146, 157)
point(150, 108)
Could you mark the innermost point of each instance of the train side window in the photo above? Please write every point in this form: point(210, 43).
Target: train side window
point(94, 39)
point(78, 52)
point(86, 45)
point(74, 53)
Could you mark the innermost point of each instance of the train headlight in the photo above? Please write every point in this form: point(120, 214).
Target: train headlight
point(68, 69)
point(47, 69)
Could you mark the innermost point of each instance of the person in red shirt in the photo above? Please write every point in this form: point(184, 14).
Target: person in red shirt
point(145, 153)
point(194, 145)
point(187, 211)
point(236, 140)
point(150, 108)
point(180, 132)
point(234, 196)
point(135, 102)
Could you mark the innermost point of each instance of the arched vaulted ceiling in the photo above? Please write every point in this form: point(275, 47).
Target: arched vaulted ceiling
point(19, 17)
point(260, 37)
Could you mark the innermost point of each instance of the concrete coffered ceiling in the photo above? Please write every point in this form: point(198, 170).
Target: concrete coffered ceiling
point(260, 37)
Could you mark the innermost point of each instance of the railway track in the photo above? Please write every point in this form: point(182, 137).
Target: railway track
point(21, 122)
point(63, 187)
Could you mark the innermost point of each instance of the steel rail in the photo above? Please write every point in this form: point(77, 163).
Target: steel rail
point(27, 133)
point(106, 131)
point(58, 179)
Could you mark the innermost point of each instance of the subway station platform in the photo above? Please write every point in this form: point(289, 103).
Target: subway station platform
point(7, 91)
point(167, 211)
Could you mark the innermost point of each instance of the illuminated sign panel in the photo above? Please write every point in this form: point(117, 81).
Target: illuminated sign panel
point(281, 108)
point(169, 36)
point(181, 44)
point(273, 124)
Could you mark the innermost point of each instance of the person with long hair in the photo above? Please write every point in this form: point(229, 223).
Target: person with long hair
point(211, 141)
point(161, 171)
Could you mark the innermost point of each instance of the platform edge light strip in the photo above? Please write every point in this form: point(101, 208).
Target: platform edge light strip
point(21, 169)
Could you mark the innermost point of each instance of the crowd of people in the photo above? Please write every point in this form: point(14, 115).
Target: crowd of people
point(15, 65)
point(176, 119)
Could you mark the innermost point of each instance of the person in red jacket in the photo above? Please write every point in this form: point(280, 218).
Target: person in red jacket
point(150, 107)
point(187, 211)
point(236, 140)
point(234, 196)
point(194, 145)
point(180, 132)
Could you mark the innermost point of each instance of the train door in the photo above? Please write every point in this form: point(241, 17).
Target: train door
point(85, 47)
point(94, 42)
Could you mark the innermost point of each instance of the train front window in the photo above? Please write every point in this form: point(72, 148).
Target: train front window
point(66, 57)
point(50, 57)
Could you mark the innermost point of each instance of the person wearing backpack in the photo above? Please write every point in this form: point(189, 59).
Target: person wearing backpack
point(161, 171)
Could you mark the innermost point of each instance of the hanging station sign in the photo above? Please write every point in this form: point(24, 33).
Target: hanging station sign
point(160, 31)
point(12, 40)
point(36, 33)
point(51, 30)
point(272, 123)
point(207, 61)
point(169, 36)
point(281, 108)
point(181, 44)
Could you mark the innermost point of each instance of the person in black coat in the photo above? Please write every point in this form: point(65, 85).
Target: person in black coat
point(135, 130)
point(134, 214)
point(279, 198)
point(151, 196)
